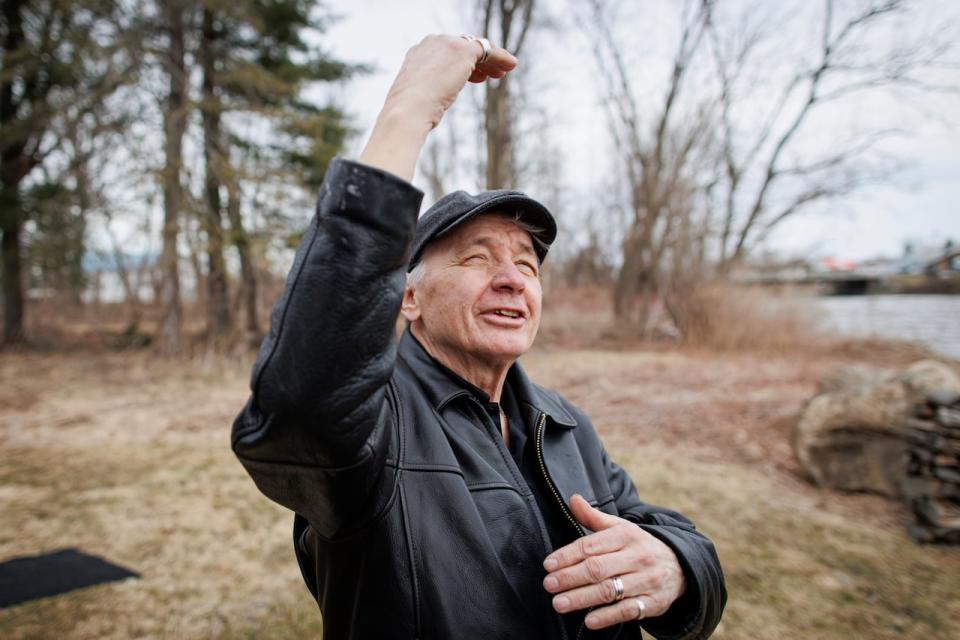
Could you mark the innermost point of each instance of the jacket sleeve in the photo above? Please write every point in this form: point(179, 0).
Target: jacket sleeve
point(315, 432)
point(697, 612)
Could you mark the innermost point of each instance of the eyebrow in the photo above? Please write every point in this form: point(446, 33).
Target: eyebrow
point(489, 241)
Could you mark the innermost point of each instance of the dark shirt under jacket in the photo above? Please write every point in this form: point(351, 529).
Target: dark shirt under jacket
point(523, 451)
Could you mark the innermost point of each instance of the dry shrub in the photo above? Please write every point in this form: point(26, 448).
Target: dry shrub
point(579, 317)
point(712, 315)
point(118, 327)
point(727, 316)
point(580, 328)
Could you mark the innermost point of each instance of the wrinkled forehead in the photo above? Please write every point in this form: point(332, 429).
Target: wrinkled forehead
point(492, 228)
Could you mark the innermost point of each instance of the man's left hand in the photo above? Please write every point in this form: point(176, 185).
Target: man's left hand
point(580, 574)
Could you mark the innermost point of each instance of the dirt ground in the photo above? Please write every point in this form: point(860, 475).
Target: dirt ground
point(126, 456)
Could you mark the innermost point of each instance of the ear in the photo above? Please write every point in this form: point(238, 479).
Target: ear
point(410, 308)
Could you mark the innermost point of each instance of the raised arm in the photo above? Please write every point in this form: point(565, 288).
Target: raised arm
point(316, 429)
point(430, 79)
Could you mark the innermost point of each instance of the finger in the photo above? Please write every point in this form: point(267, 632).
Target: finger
point(607, 541)
point(593, 570)
point(477, 76)
point(591, 518)
point(603, 592)
point(499, 60)
point(623, 611)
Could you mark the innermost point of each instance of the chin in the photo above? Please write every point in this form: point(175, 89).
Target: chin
point(509, 349)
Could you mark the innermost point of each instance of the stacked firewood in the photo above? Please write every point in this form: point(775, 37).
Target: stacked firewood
point(932, 482)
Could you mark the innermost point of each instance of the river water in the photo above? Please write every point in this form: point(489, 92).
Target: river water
point(933, 320)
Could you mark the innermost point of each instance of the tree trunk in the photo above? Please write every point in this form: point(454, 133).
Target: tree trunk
point(174, 123)
point(515, 18)
point(11, 168)
point(497, 121)
point(218, 297)
point(247, 271)
point(195, 251)
point(13, 295)
point(131, 291)
point(628, 280)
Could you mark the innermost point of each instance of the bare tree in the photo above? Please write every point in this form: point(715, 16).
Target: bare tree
point(656, 157)
point(437, 164)
point(762, 183)
point(719, 165)
point(174, 126)
point(130, 285)
point(111, 161)
point(248, 276)
point(215, 161)
point(506, 22)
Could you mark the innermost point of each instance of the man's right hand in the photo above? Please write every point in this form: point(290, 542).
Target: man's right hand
point(431, 77)
point(434, 72)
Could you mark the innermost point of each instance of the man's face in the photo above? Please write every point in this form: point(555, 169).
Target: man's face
point(478, 300)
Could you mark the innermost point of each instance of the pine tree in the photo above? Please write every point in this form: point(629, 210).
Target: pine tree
point(60, 60)
point(256, 62)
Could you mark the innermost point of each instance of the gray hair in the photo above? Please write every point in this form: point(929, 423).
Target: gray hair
point(415, 275)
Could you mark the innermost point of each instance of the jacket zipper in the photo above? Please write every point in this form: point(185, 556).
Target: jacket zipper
point(541, 421)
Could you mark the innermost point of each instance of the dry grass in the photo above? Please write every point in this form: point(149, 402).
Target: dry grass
point(800, 566)
point(739, 317)
point(710, 316)
point(127, 457)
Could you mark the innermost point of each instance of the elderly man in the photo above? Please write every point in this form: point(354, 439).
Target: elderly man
point(438, 492)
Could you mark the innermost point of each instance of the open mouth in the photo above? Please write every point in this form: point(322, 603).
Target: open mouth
point(508, 313)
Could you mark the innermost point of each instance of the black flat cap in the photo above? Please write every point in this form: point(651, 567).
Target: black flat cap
point(460, 206)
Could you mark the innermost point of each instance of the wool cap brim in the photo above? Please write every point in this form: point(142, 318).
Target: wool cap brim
point(456, 208)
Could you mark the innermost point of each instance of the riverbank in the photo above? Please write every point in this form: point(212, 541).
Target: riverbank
point(126, 456)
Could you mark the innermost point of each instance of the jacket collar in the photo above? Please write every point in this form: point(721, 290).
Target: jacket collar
point(441, 385)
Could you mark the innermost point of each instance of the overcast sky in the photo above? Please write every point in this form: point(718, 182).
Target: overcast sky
point(920, 204)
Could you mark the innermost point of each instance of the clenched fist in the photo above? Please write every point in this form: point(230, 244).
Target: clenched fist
point(431, 77)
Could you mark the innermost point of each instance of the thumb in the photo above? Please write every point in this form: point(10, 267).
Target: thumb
point(591, 518)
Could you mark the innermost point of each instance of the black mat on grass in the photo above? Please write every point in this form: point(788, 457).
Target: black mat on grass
point(31, 577)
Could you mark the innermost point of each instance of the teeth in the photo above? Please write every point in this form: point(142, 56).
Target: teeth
point(509, 314)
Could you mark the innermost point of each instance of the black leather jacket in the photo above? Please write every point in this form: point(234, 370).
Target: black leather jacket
point(412, 517)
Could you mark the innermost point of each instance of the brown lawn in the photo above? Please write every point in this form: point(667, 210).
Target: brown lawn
point(126, 456)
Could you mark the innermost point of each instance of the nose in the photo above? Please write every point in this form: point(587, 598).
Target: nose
point(507, 277)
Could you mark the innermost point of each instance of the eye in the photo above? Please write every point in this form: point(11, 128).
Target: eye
point(524, 266)
point(477, 258)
